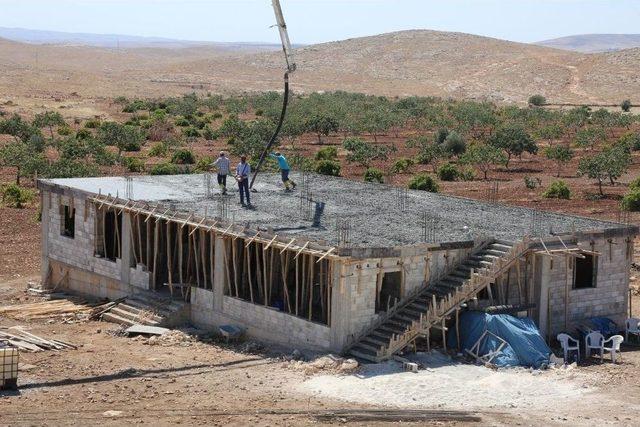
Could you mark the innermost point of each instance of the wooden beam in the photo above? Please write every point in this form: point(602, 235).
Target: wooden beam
point(302, 249)
point(325, 255)
point(287, 246)
point(270, 243)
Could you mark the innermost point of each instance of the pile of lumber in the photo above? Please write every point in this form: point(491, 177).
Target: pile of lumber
point(28, 342)
point(46, 309)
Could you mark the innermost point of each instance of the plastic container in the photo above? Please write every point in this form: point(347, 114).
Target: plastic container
point(8, 367)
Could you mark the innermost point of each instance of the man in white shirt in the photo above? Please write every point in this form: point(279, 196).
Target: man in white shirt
point(243, 171)
point(223, 165)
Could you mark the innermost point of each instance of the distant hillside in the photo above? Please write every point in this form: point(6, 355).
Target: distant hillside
point(594, 43)
point(117, 40)
point(420, 62)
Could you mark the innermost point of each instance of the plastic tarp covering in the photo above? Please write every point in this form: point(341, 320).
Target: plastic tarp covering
point(525, 346)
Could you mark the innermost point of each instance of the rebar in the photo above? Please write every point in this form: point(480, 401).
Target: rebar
point(223, 208)
point(207, 186)
point(402, 198)
point(428, 224)
point(343, 229)
point(128, 188)
point(492, 193)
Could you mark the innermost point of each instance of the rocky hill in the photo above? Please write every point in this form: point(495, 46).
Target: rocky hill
point(594, 43)
point(395, 64)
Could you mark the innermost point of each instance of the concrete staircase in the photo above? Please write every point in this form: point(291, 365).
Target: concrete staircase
point(148, 309)
point(436, 302)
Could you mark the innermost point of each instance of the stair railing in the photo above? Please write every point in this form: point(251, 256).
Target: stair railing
point(437, 310)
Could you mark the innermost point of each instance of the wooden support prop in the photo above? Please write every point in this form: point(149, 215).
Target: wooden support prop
point(302, 249)
point(196, 259)
point(297, 260)
point(151, 213)
point(224, 233)
point(124, 207)
point(203, 255)
point(117, 235)
point(212, 226)
point(266, 284)
point(132, 239)
point(458, 330)
point(169, 258)
point(225, 254)
point(234, 257)
point(284, 267)
point(326, 254)
point(106, 200)
point(255, 236)
point(197, 227)
point(186, 221)
point(566, 294)
point(104, 232)
point(212, 248)
point(270, 243)
point(287, 246)
point(179, 236)
point(148, 251)
point(520, 289)
point(262, 286)
point(156, 237)
point(247, 261)
point(271, 268)
point(549, 316)
point(444, 334)
point(139, 234)
point(311, 287)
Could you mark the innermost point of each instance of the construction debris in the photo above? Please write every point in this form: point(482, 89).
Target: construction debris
point(47, 309)
point(146, 330)
point(28, 342)
point(326, 364)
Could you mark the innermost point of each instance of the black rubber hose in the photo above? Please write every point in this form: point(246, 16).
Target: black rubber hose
point(273, 139)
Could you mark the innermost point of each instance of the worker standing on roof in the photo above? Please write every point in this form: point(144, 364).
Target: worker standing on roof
point(222, 165)
point(284, 170)
point(243, 170)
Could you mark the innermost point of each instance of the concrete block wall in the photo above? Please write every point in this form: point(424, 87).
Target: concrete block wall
point(608, 299)
point(88, 283)
point(261, 322)
point(354, 294)
point(79, 251)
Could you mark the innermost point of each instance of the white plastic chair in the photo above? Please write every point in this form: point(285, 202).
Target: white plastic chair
point(566, 341)
point(594, 341)
point(632, 326)
point(614, 349)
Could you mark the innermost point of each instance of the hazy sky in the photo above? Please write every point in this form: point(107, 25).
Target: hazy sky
point(313, 21)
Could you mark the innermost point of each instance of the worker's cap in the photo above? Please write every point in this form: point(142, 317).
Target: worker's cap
point(222, 154)
point(243, 157)
point(277, 153)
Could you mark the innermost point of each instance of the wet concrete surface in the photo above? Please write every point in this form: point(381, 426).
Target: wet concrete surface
point(326, 208)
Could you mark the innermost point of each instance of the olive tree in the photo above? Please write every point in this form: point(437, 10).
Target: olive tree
point(48, 119)
point(514, 141)
point(561, 154)
point(484, 157)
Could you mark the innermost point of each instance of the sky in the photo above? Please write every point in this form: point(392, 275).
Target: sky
point(313, 21)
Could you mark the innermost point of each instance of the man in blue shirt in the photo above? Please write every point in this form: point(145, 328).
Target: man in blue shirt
point(243, 171)
point(284, 170)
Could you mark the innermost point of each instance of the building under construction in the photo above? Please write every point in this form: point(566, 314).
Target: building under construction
point(338, 265)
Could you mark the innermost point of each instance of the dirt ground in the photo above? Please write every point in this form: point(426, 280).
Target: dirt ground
point(115, 380)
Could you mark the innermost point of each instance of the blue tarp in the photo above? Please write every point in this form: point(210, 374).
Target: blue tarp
point(525, 344)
